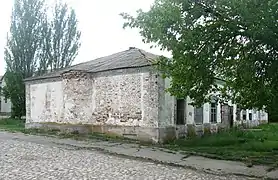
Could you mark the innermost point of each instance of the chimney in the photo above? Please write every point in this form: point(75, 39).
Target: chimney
point(131, 48)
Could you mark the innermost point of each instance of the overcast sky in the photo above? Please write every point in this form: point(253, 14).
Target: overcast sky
point(100, 24)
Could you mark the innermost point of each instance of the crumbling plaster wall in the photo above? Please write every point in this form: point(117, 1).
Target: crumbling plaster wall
point(167, 104)
point(116, 98)
point(126, 98)
point(77, 97)
point(44, 102)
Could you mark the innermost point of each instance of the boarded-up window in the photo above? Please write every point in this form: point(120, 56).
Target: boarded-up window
point(180, 111)
point(213, 112)
point(198, 115)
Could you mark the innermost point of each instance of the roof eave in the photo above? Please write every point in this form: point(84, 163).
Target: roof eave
point(39, 78)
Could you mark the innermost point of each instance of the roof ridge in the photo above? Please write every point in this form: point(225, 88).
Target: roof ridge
point(132, 57)
point(100, 58)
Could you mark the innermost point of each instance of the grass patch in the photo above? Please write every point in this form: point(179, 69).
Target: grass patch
point(252, 147)
point(12, 125)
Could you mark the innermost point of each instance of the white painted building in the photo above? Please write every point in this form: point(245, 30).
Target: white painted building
point(121, 94)
point(5, 104)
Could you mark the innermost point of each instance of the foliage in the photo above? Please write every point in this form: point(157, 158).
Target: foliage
point(37, 44)
point(15, 91)
point(233, 40)
point(62, 42)
point(260, 146)
point(24, 42)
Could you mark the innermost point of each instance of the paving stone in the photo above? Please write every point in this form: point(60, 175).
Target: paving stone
point(273, 174)
point(37, 159)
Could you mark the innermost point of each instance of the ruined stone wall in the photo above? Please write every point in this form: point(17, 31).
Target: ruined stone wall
point(125, 99)
point(77, 97)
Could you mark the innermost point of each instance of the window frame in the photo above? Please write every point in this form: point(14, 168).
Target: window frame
point(250, 117)
point(202, 115)
point(213, 112)
point(244, 115)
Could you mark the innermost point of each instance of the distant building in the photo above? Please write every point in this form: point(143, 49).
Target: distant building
point(123, 94)
point(5, 104)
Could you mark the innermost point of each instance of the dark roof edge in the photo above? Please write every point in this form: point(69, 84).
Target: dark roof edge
point(50, 77)
point(40, 78)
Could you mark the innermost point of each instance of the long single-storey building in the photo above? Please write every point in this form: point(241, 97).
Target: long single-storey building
point(123, 94)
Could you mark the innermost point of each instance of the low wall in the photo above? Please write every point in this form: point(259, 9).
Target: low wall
point(143, 134)
point(191, 130)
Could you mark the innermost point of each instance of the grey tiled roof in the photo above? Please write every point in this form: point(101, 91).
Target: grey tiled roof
point(132, 57)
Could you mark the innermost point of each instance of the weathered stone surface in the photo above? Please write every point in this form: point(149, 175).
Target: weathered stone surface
point(214, 128)
point(181, 131)
point(124, 98)
point(144, 134)
point(77, 97)
point(30, 157)
point(207, 129)
point(199, 129)
point(191, 130)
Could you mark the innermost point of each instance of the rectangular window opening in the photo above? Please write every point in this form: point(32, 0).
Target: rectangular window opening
point(198, 115)
point(180, 112)
point(213, 112)
point(250, 116)
point(244, 115)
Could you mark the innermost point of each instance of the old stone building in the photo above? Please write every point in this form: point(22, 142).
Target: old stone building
point(121, 94)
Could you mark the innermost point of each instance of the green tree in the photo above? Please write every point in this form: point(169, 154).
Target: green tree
point(23, 50)
point(37, 44)
point(62, 43)
point(233, 40)
point(15, 91)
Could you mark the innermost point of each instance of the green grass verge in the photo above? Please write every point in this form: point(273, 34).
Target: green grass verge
point(252, 146)
point(12, 125)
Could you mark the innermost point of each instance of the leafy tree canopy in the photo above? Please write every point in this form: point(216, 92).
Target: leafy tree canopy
point(37, 43)
point(233, 40)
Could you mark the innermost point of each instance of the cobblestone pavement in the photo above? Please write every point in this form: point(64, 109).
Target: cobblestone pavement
point(26, 160)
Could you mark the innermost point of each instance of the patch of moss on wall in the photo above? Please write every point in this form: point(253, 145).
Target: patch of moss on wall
point(207, 129)
point(191, 131)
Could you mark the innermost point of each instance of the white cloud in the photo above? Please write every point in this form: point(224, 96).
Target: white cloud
point(100, 24)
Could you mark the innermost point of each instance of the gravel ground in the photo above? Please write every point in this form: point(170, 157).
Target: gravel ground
point(26, 160)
